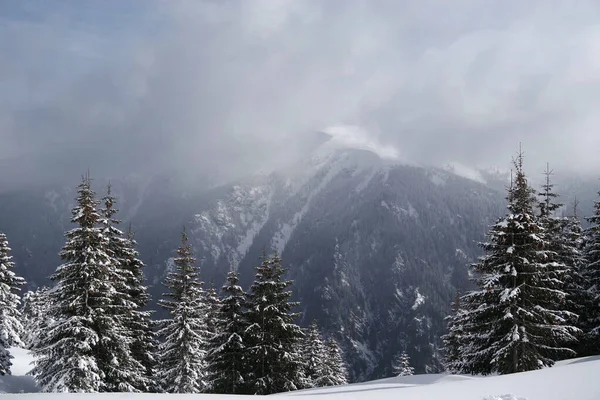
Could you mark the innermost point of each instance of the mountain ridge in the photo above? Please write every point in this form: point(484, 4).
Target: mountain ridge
point(377, 249)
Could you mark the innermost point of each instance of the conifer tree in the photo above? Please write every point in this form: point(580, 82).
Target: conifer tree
point(144, 344)
point(11, 329)
point(35, 316)
point(226, 355)
point(213, 306)
point(68, 357)
point(272, 337)
point(314, 354)
point(401, 365)
point(182, 353)
point(123, 371)
point(512, 323)
point(590, 320)
point(334, 369)
point(578, 299)
point(453, 339)
point(561, 252)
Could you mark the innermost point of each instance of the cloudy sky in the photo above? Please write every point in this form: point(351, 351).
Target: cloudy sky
point(232, 86)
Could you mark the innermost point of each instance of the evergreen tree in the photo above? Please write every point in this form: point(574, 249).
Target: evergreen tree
point(453, 339)
point(578, 298)
point(401, 365)
point(123, 371)
point(590, 320)
point(35, 316)
point(272, 337)
point(182, 353)
point(11, 329)
point(514, 322)
point(213, 306)
point(314, 355)
point(144, 344)
point(69, 356)
point(225, 358)
point(562, 251)
point(334, 369)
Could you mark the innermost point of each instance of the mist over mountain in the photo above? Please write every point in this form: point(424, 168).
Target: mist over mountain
point(377, 249)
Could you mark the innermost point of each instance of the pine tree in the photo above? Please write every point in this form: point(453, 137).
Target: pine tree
point(182, 354)
point(144, 345)
point(578, 298)
point(313, 351)
point(334, 369)
point(123, 372)
point(225, 358)
point(272, 337)
point(213, 306)
point(67, 359)
point(11, 329)
point(35, 316)
point(590, 320)
point(514, 322)
point(453, 340)
point(562, 252)
point(401, 365)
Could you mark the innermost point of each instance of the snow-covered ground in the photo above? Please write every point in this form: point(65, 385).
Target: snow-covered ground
point(577, 379)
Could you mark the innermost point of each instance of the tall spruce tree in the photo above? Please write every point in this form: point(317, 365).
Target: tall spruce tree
point(590, 320)
point(70, 355)
point(314, 354)
point(144, 346)
point(516, 320)
point(334, 371)
point(128, 367)
point(561, 252)
point(213, 306)
point(182, 353)
point(11, 329)
point(272, 337)
point(578, 298)
point(226, 356)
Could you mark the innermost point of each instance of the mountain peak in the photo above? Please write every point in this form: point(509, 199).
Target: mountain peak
point(355, 137)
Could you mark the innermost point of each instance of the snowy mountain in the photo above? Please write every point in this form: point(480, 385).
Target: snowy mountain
point(377, 249)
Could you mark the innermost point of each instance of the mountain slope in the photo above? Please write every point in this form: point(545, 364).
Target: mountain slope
point(376, 250)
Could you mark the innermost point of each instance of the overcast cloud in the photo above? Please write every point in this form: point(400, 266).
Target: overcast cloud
point(234, 86)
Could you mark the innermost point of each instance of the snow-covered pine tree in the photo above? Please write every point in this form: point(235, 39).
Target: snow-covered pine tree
point(35, 316)
point(334, 369)
point(145, 344)
point(213, 306)
point(11, 329)
point(68, 357)
point(453, 339)
point(578, 298)
point(272, 337)
point(314, 355)
point(512, 324)
point(401, 365)
point(562, 252)
point(590, 320)
point(125, 364)
point(225, 359)
point(181, 367)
